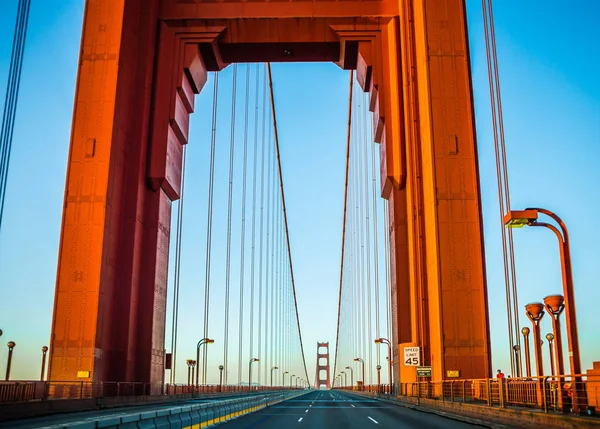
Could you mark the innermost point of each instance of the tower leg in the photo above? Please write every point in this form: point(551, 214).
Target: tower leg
point(124, 171)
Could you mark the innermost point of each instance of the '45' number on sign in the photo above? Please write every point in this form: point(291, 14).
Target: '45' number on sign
point(412, 356)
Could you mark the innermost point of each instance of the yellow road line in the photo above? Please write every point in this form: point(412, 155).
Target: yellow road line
point(224, 418)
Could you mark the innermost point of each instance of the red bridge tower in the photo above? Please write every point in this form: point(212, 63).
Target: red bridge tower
point(322, 365)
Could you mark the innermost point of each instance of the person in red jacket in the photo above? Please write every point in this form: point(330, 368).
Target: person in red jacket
point(500, 374)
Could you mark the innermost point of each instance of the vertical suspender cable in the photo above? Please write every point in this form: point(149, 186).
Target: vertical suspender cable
point(262, 237)
point(503, 188)
point(388, 276)
point(289, 252)
point(344, 216)
point(375, 249)
point(211, 186)
point(254, 216)
point(267, 252)
point(361, 230)
point(274, 267)
point(369, 338)
point(175, 323)
point(243, 233)
point(506, 187)
point(12, 95)
point(229, 209)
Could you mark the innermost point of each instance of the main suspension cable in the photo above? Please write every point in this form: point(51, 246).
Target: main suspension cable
point(344, 219)
point(289, 252)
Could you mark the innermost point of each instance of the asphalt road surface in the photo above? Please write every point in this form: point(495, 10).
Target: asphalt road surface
point(328, 409)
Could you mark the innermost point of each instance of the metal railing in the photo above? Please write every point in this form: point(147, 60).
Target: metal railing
point(547, 394)
point(22, 391)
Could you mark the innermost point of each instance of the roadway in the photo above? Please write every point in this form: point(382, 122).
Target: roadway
point(330, 409)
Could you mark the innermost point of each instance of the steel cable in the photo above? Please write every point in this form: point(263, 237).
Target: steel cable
point(243, 228)
point(12, 95)
point(211, 184)
point(229, 217)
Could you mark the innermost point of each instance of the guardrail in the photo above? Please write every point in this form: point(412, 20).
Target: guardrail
point(547, 394)
point(21, 391)
point(185, 415)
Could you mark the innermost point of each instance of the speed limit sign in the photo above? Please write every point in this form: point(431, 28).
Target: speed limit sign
point(412, 356)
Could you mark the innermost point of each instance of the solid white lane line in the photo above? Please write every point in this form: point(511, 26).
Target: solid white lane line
point(300, 419)
point(306, 411)
point(373, 420)
point(310, 405)
point(353, 405)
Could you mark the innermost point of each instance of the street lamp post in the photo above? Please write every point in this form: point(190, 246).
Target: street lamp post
point(221, 367)
point(194, 368)
point(200, 343)
point(386, 341)
point(345, 378)
point(11, 346)
point(272, 369)
point(189, 365)
point(529, 217)
point(378, 378)
point(363, 370)
point(291, 379)
point(518, 368)
point(550, 338)
point(44, 352)
point(555, 305)
point(283, 379)
point(250, 372)
point(535, 312)
point(351, 376)
point(525, 332)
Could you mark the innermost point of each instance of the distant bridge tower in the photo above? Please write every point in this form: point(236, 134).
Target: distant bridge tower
point(322, 365)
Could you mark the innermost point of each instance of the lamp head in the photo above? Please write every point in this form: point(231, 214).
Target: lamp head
point(520, 218)
point(535, 310)
point(378, 367)
point(550, 337)
point(221, 367)
point(555, 303)
point(11, 344)
point(45, 349)
point(525, 331)
point(209, 341)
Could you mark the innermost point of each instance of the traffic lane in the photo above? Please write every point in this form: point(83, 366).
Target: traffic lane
point(282, 415)
point(379, 414)
point(334, 409)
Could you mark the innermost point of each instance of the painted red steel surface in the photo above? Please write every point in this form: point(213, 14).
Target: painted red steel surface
point(141, 64)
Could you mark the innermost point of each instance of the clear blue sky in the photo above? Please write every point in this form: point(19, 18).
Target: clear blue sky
point(549, 59)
